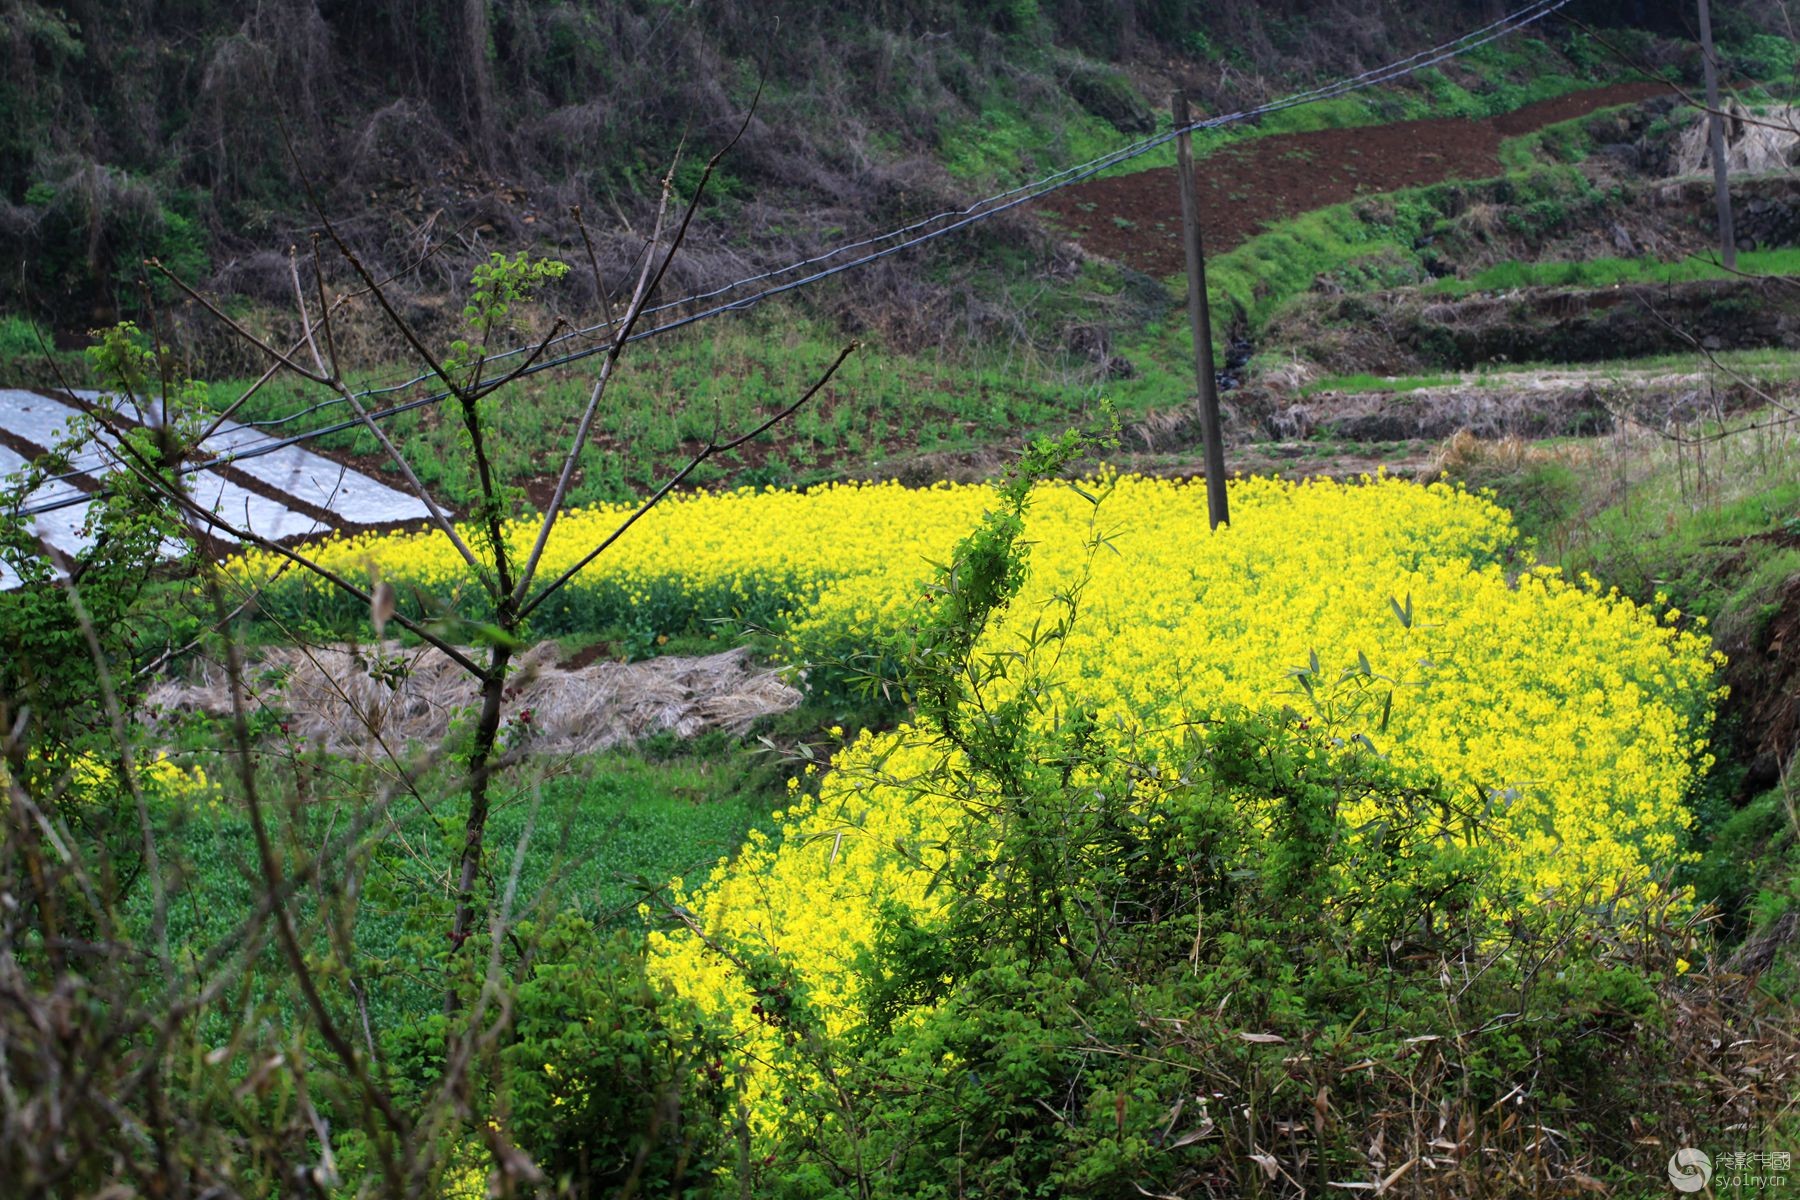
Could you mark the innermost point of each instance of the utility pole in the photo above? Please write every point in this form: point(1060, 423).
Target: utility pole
point(1199, 318)
point(1715, 139)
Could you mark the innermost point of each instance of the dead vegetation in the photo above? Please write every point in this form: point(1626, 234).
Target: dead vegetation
point(357, 700)
point(1409, 331)
point(1756, 141)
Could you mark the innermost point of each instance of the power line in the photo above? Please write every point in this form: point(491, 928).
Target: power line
point(1036, 187)
point(981, 210)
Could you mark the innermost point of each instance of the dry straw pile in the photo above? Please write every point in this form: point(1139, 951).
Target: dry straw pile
point(353, 699)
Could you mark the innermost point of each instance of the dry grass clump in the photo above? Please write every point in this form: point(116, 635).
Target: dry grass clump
point(1767, 141)
point(354, 698)
point(1466, 455)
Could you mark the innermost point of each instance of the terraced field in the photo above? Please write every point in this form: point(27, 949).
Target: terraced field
point(1247, 187)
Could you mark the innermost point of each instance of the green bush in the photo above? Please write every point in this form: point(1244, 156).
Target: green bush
point(1542, 496)
point(92, 231)
point(1763, 57)
point(606, 1087)
point(21, 337)
point(1111, 97)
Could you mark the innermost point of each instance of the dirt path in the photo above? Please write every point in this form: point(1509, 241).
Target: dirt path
point(1136, 218)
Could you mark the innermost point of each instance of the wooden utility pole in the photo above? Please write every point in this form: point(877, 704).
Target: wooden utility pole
point(1199, 318)
point(1715, 140)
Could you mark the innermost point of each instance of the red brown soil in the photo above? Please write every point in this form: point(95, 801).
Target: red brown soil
point(1136, 218)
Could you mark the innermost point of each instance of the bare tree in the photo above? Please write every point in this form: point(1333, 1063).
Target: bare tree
point(85, 1102)
point(509, 581)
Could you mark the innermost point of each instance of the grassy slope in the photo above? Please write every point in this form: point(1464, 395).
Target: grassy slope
point(673, 393)
point(887, 404)
point(1722, 557)
point(1010, 143)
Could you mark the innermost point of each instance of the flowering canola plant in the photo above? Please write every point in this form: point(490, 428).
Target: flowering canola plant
point(1581, 716)
point(756, 555)
point(85, 780)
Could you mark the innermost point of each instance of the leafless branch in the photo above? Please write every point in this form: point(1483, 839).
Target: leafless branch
point(280, 359)
point(675, 481)
point(646, 287)
point(148, 474)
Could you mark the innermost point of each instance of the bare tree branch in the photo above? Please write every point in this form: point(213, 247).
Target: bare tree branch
point(150, 476)
point(646, 287)
point(285, 360)
point(706, 452)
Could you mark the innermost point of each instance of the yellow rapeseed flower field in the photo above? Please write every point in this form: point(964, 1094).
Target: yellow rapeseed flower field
point(1579, 715)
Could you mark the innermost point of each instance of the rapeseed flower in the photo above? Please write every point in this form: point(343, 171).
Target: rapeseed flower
point(1578, 716)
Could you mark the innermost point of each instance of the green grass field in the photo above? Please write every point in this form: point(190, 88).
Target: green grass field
point(672, 394)
point(613, 824)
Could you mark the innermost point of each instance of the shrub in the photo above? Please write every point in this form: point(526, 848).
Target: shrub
point(604, 1085)
point(89, 234)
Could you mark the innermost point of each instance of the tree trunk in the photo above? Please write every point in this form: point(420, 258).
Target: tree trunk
point(478, 78)
point(481, 760)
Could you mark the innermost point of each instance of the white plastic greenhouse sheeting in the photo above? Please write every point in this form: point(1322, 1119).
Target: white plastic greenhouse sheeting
point(311, 480)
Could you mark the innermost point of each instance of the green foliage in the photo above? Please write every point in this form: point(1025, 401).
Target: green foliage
point(1542, 496)
point(496, 288)
point(605, 1087)
point(1608, 272)
point(598, 838)
point(1271, 917)
point(1111, 97)
point(1006, 143)
point(1563, 143)
point(1708, 559)
point(1376, 383)
point(21, 337)
point(1753, 864)
point(91, 233)
point(67, 653)
point(676, 391)
point(1763, 57)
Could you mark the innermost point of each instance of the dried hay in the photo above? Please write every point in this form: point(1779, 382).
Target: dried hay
point(1466, 455)
point(328, 696)
point(1289, 376)
point(1486, 411)
point(1766, 141)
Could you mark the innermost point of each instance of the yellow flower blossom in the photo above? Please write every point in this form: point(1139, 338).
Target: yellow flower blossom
point(1582, 717)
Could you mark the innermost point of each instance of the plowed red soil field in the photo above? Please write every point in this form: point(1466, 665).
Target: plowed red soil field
point(1136, 218)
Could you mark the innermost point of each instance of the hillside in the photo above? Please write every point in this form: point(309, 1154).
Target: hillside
point(634, 600)
point(143, 128)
